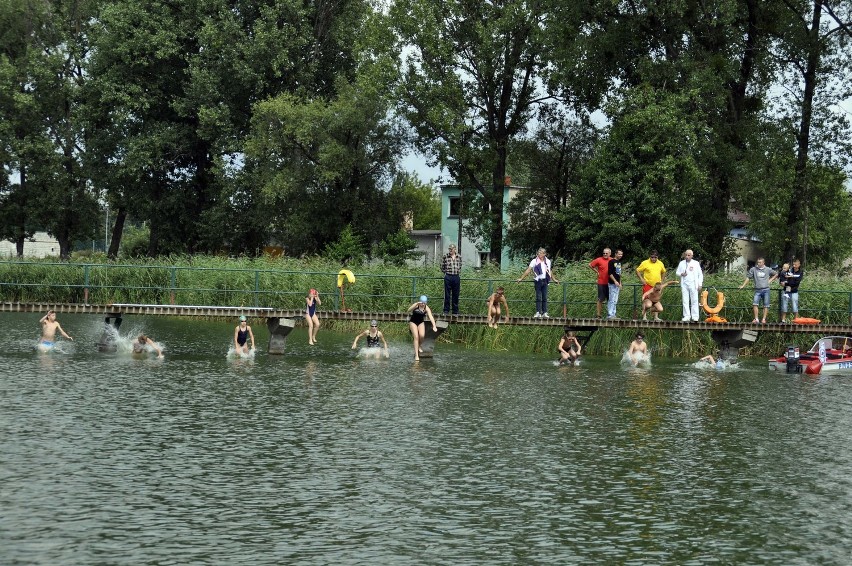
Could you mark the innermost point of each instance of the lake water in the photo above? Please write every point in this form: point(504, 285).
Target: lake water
point(318, 457)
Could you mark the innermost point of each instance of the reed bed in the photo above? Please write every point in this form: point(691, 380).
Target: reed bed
point(284, 283)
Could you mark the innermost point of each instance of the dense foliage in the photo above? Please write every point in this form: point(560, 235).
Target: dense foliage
point(235, 125)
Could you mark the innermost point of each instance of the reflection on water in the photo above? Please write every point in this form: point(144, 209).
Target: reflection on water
point(319, 457)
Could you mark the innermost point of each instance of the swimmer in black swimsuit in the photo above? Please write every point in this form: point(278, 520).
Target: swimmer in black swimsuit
point(311, 317)
point(373, 335)
point(419, 312)
point(242, 333)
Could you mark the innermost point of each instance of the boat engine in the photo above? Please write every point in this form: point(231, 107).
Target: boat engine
point(793, 365)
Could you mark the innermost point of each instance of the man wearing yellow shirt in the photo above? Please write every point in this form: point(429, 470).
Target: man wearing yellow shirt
point(651, 271)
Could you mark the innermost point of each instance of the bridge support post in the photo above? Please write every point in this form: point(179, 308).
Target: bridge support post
point(279, 328)
point(730, 342)
point(428, 344)
point(109, 336)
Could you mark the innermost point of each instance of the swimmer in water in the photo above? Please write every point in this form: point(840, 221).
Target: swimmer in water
point(416, 323)
point(140, 344)
point(49, 327)
point(638, 350)
point(373, 335)
point(312, 300)
point(569, 348)
point(718, 364)
point(242, 334)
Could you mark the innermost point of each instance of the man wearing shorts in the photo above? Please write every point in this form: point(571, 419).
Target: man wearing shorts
point(762, 276)
point(601, 267)
point(651, 271)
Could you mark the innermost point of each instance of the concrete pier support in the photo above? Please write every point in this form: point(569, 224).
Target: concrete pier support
point(730, 342)
point(428, 344)
point(109, 336)
point(279, 328)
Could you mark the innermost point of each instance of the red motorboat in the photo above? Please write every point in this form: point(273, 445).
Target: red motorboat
point(828, 354)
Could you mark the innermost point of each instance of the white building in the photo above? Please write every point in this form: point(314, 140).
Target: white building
point(42, 245)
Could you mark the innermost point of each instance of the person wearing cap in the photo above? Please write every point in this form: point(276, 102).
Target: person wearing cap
point(451, 266)
point(638, 349)
point(49, 327)
point(373, 335)
point(311, 315)
point(242, 334)
point(416, 323)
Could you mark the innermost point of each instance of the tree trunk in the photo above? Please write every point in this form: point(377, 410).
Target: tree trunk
point(117, 231)
point(799, 197)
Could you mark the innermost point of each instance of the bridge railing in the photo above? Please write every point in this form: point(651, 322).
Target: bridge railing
point(62, 282)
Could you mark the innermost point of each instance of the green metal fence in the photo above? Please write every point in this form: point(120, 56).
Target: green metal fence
point(186, 285)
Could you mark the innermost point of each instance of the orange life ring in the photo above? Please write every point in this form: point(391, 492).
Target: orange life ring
point(715, 318)
point(805, 320)
point(720, 302)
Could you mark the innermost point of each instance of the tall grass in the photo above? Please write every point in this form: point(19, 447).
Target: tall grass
point(284, 283)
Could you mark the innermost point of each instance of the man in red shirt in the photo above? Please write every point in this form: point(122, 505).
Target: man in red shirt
point(601, 267)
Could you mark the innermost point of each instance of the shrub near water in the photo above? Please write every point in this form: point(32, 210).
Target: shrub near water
point(284, 283)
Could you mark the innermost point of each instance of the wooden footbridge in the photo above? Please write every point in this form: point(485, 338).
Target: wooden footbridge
point(730, 336)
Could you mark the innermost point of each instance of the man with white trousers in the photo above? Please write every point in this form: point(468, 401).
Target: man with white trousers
point(691, 281)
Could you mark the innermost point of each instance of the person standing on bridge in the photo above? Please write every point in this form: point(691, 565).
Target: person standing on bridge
point(540, 266)
point(614, 271)
point(451, 265)
point(242, 334)
point(311, 317)
point(651, 271)
point(762, 275)
point(49, 327)
point(416, 323)
point(691, 281)
point(601, 267)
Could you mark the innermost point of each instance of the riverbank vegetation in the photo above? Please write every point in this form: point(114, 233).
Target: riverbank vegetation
point(283, 283)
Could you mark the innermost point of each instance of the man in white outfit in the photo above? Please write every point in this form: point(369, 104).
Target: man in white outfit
point(691, 281)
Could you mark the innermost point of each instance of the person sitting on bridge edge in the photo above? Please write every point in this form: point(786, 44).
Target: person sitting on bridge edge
point(651, 300)
point(493, 303)
point(241, 335)
point(49, 327)
point(419, 312)
point(451, 265)
point(312, 300)
point(569, 348)
point(142, 343)
point(373, 335)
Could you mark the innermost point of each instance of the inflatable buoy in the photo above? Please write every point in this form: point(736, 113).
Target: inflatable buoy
point(720, 302)
point(805, 320)
point(715, 318)
point(813, 368)
point(345, 275)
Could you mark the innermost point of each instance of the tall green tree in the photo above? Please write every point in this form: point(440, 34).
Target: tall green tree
point(472, 79)
point(323, 159)
point(42, 59)
point(815, 44)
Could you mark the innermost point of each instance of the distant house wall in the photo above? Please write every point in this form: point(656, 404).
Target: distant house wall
point(430, 243)
point(43, 246)
point(472, 254)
